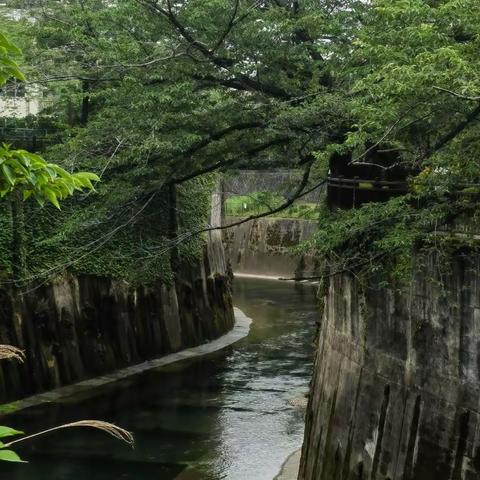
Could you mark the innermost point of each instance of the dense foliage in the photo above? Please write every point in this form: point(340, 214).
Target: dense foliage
point(30, 175)
point(154, 93)
point(119, 231)
point(24, 171)
point(414, 92)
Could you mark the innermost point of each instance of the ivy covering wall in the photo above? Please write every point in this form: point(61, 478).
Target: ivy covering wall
point(134, 243)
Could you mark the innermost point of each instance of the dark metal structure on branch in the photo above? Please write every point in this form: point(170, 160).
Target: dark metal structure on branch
point(377, 178)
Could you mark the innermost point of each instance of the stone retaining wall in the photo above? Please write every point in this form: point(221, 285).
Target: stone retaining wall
point(78, 327)
point(263, 247)
point(396, 387)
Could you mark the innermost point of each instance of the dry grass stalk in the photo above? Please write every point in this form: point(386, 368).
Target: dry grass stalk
point(110, 428)
point(7, 352)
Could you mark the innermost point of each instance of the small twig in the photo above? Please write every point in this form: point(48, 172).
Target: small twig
point(229, 27)
point(455, 94)
point(337, 272)
point(376, 144)
point(144, 64)
point(117, 432)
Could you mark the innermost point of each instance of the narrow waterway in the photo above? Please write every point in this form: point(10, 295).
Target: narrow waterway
point(231, 415)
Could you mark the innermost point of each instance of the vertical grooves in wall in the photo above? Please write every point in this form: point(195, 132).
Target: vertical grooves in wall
point(316, 408)
point(400, 437)
point(381, 428)
point(408, 472)
point(430, 343)
point(317, 455)
point(309, 423)
point(461, 445)
point(359, 475)
point(351, 430)
point(338, 462)
point(328, 437)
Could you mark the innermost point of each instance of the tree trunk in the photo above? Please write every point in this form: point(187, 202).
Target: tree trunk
point(173, 225)
point(85, 103)
point(18, 237)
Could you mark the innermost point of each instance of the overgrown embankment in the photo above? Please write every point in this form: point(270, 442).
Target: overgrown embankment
point(82, 326)
point(132, 293)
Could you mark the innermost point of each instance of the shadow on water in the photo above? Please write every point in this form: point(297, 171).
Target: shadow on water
point(224, 416)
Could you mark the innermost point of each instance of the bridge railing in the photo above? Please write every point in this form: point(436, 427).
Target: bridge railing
point(346, 192)
point(29, 138)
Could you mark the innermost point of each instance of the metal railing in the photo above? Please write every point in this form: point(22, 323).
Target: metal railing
point(374, 185)
point(22, 137)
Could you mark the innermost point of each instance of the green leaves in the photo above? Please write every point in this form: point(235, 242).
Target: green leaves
point(10, 456)
point(5, 454)
point(330, 78)
point(404, 50)
point(413, 73)
point(9, 432)
point(8, 67)
point(35, 177)
point(20, 169)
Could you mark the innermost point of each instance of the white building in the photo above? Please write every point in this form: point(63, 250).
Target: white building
point(18, 100)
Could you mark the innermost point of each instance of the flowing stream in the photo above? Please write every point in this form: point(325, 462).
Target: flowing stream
point(230, 415)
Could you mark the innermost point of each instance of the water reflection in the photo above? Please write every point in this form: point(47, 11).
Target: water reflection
point(225, 416)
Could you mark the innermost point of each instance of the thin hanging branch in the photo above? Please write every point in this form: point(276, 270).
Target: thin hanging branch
point(458, 95)
point(116, 432)
point(230, 25)
point(329, 273)
point(298, 193)
point(455, 131)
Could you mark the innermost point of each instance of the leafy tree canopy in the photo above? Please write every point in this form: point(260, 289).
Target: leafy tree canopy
point(25, 171)
point(156, 93)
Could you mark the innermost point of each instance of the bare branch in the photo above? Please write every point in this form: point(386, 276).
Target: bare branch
point(232, 161)
point(298, 193)
point(230, 25)
point(455, 131)
point(218, 61)
point(144, 64)
point(459, 95)
point(328, 274)
point(220, 134)
point(376, 144)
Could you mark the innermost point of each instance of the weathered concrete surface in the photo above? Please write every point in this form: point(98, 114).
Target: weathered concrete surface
point(87, 387)
point(79, 327)
point(290, 468)
point(262, 247)
point(395, 392)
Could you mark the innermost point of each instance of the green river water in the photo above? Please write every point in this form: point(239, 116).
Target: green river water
point(227, 416)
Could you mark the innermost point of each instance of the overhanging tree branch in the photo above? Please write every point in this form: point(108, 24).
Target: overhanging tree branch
point(230, 25)
point(218, 61)
point(230, 162)
point(299, 192)
point(459, 95)
point(329, 273)
point(221, 134)
point(454, 132)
